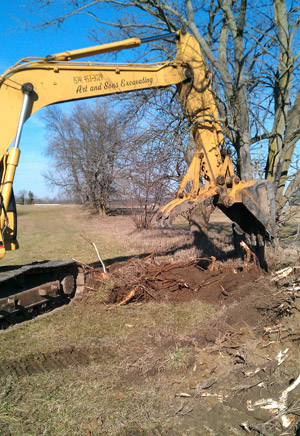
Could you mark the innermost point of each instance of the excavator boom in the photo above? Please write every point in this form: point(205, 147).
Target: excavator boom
point(34, 83)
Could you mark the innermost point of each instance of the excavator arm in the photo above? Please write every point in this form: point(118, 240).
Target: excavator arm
point(250, 204)
point(35, 83)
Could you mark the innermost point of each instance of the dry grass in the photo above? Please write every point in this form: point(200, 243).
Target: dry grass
point(134, 356)
point(55, 233)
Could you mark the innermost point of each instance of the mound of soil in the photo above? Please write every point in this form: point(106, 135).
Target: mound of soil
point(176, 282)
point(245, 294)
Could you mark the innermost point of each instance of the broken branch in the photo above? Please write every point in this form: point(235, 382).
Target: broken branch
point(126, 299)
point(99, 257)
point(83, 264)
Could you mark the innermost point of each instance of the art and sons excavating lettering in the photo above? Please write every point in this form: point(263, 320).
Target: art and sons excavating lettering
point(148, 81)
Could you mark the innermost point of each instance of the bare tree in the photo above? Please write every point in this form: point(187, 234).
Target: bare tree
point(147, 182)
point(253, 52)
point(84, 147)
point(154, 157)
point(131, 153)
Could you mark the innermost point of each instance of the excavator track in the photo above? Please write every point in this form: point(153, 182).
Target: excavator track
point(28, 290)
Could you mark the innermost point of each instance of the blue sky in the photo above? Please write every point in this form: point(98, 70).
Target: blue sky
point(16, 42)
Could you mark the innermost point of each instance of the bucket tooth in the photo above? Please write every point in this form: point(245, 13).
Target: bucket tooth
point(253, 239)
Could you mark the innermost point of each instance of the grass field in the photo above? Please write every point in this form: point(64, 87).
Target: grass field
point(101, 395)
point(59, 232)
point(55, 232)
point(84, 370)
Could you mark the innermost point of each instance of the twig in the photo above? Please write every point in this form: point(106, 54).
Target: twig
point(236, 390)
point(169, 266)
point(148, 292)
point(83, 264)
point(282, 273)
point(214, 281)
point(150, 257)
point(280, 408)
point(91, 289)
point(213, 259)
point(99, 257)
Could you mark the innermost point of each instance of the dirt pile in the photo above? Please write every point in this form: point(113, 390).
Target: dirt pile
point(244, 294)
point(175, 282)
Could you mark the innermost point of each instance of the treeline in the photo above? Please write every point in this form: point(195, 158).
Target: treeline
point(25, 197)
point(29, 198)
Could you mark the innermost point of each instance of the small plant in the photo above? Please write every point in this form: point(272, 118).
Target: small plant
point(102, 292)
point(142, 219)
point(178, 357)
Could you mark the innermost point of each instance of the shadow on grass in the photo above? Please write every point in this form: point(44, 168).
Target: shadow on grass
point(202, 242)
point(205, 243)
point(224, 228)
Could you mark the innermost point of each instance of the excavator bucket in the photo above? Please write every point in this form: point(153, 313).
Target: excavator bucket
point(252, 213)
point(255, 214)
point(253, 219)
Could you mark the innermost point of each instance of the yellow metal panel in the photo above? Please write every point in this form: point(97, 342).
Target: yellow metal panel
point(59, 83)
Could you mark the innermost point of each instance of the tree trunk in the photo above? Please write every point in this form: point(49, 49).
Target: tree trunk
point(198, 223)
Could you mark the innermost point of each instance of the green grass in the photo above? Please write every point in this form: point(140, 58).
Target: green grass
point(136, 354)
point(88, 320)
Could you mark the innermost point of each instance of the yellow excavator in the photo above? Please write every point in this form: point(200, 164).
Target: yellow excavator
point(34, 83)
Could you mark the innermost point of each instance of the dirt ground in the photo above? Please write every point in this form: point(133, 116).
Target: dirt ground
point(243, 374)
